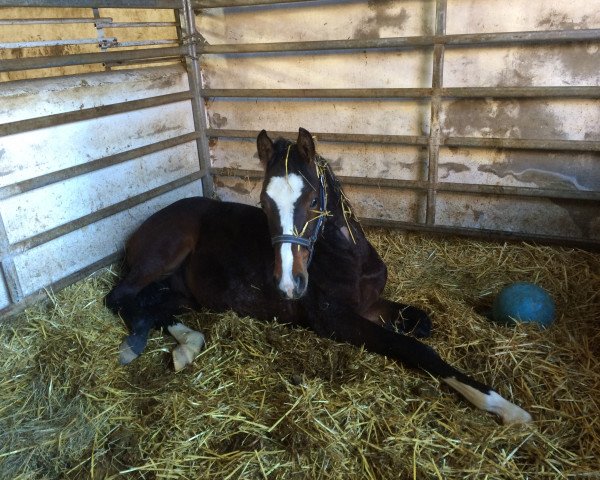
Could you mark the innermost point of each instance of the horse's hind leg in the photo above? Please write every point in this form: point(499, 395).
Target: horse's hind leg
point(399, 318)
point(346, 326)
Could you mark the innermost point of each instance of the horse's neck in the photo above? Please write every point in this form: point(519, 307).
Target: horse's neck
point(340, 210)
point(346, 266)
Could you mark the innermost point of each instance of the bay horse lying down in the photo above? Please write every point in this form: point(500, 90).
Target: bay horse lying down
point(302, 259)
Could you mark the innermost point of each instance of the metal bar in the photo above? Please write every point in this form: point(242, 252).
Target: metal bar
point(92, 3)
point(518, 191)
point(61, 21)
point(472, 142)
point(353, 44)
point(8, 269)
point(457, 40)
point(170, 61)
point(239, 3)
point(101, 214)
point(326, 137)
point(486, 234)
point(319, 92)
point(455, 187)
point(12, 310)
point(433, 149)
point(111, 24)
point(32, 63)
point(187, 29)
point(520, 38)
point(67, 173)
point(454, 92)
point(29, 124)
point(523, 144)
point(54, 43)
point(101, 35)
point(142, 43)
point(521, 92)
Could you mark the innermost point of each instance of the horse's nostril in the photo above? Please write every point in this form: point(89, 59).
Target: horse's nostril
point(300, 283)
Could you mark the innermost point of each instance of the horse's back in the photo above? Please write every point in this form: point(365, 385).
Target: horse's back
point(195, 222)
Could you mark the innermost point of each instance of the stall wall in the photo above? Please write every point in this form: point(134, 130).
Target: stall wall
point(547, 64)
point(58, 228)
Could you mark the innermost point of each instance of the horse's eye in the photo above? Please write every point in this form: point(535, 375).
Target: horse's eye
point(313, 204)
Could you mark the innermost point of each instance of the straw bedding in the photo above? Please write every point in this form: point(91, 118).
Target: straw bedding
point(266, 401)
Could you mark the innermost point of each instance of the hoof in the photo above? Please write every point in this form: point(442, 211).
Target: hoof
point(185, 353)
point(131, 348)
point(515, 416)
point(415, 322)
point(126, 353)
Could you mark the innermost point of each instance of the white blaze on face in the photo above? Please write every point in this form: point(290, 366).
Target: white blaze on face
point(284, 192)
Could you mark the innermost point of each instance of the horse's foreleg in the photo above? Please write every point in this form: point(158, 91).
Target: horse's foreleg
point(349, 327)
point(399, 318)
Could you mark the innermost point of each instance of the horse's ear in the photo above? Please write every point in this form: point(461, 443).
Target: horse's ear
point(306, 144)
point(264, 146)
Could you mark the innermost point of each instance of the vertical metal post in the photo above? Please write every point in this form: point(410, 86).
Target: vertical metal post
point(436, 100)
point(189, 35)
point(9, 271)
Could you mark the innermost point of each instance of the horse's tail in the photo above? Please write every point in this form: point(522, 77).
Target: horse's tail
point(352, 328)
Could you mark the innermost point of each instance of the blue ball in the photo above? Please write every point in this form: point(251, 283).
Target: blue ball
point(524, 302)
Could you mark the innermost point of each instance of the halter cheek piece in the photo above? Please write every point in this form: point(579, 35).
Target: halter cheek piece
point(309, 243)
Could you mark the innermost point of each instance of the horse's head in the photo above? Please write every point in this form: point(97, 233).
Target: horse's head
point(293, 197)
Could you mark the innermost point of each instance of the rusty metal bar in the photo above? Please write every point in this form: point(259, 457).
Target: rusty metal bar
point(319, 92)
point(478, 189)
point(326, 137)
point(454, 92)
point(521, 92)
point(111, 24)
point(88, 167)
point(454, 187)
point(21, 126)
point(523, 144)
point(485, 234)
point(92, 3)
point(471, 142)
point(437, 80)
point(98, 215)
point(141, 43)
point(61, 21)
point(55, 43)
point(8, 269)
point(187, 29)
point(457, 40)
point(32, 63)
point(239, 3)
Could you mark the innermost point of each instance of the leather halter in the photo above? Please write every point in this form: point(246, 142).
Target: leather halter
point(309, 243)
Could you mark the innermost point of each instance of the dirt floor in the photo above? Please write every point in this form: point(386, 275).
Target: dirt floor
point(267, 401)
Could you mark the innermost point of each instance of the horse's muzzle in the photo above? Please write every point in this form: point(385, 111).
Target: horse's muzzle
point(294, 290)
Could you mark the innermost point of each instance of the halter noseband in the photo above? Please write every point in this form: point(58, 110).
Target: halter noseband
point(309, 243)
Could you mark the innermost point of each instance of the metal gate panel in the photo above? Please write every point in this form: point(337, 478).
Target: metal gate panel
point(473, 119)
point(84, 159)
point(32, 32)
